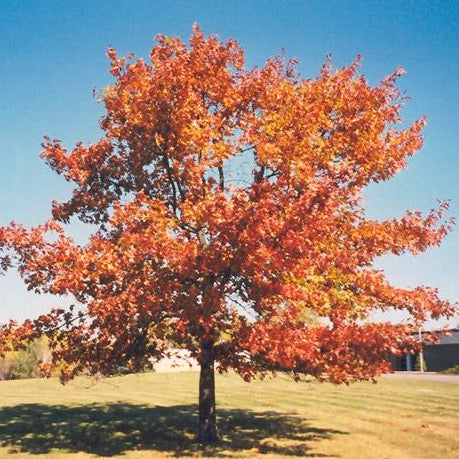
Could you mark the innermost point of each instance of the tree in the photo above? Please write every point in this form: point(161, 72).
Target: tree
point(26, 362)
point(253, 272)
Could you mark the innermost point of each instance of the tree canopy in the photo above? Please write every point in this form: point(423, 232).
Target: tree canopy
point(258, 271)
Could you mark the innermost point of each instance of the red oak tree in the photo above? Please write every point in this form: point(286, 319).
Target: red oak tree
point(231, 266)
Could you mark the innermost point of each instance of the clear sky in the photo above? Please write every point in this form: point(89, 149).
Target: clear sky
point(52, 54)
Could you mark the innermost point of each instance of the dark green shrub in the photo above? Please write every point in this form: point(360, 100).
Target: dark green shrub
point(452, 370)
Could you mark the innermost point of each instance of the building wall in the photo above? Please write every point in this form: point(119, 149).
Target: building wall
point(439, 357)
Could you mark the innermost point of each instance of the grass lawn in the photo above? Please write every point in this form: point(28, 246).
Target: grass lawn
point(154, 415)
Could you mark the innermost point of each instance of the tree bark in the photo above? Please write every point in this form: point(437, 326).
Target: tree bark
point(207, 429)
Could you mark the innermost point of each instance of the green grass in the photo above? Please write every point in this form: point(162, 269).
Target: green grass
point(154, 415)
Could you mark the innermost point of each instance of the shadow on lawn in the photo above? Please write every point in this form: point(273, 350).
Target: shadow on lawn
point(111, 429)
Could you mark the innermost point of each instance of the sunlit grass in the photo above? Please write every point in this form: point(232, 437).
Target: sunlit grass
point(154, 415)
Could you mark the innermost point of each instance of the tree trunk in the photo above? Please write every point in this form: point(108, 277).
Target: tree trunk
point(207, 429)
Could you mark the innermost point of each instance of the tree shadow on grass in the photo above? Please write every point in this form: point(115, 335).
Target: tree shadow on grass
point(111, 429)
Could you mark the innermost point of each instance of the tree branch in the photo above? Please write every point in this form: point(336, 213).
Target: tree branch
point(221, 177)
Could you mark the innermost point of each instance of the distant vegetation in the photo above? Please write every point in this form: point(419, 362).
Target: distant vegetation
point(25, 363)
point(452, 371)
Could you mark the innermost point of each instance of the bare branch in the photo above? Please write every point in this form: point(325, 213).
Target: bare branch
point(221, 177)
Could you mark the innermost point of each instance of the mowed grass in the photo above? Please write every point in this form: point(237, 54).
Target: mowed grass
point(154, 415)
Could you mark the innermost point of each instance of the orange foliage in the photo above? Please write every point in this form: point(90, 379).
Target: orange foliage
point(189, 250)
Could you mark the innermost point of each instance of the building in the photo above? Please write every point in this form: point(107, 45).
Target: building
point(437, 356)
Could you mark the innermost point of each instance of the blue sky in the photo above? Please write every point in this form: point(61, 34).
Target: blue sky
point(52, 54)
